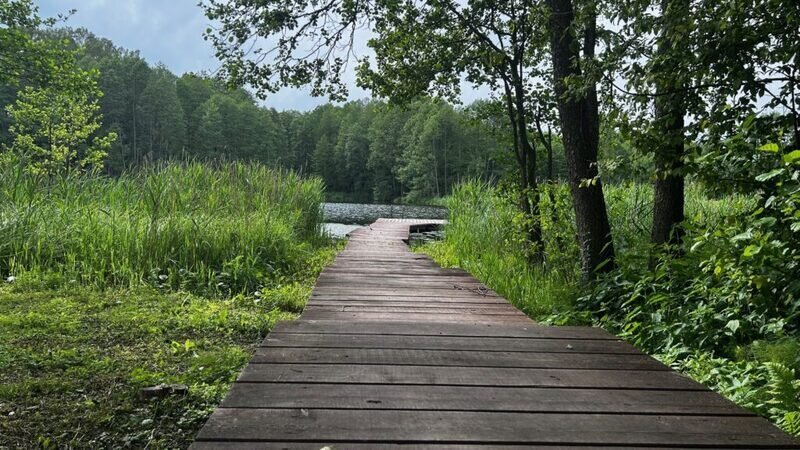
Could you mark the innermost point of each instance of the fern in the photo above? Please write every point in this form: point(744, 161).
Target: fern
point(783, 387)
point(790, 422)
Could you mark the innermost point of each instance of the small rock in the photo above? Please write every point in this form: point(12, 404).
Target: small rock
point(11, 279)
point(146, 422)
point(12, 414)
point(152, 392)
point(163, 390)
point(178, 389)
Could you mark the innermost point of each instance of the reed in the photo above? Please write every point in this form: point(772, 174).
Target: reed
point(229, 228)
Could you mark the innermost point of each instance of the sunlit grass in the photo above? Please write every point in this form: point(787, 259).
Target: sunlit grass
point(186, 226)
point(483, 237)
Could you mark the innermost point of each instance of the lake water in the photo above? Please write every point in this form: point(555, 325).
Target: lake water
point(342, 218)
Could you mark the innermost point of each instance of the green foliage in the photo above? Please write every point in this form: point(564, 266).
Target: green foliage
point(170, 275)
point(770, 389)
point(734, 295)
point(25, 58)
point(483, 236)
point(74, 358)
point(232, 229)
point(55, 128)
point(55, 120)
point(363, 150)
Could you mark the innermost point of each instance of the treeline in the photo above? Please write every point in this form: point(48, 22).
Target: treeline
point(363, 150)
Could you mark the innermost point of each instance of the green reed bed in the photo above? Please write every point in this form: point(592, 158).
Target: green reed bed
point(192, 226)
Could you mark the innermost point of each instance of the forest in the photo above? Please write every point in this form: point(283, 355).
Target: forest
point(635, 166)
point(364, 150)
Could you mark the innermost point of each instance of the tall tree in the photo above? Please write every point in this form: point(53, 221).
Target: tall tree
point(25, 57)
point(193, 91)
point(56, 127)
point(580, 124)
point(668, 198)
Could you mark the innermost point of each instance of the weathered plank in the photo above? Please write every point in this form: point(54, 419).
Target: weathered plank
point(529, 330)
point(462, 358)
point(463, 398)
point(466, 376)
point(417, 317)
point(339, 445)
point(425, 309)
point(481, 427)
point(527, 345)
point(407, 291)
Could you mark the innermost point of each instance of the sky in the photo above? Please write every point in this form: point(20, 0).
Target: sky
point(171, 32)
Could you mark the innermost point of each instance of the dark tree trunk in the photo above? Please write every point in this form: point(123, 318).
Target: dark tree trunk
point(530, 192)
point(580, 129)
point(668, 188)
point(526, 160)
point(668, 198)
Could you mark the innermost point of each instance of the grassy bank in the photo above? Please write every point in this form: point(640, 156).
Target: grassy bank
point(167, 276)
point(725, 312)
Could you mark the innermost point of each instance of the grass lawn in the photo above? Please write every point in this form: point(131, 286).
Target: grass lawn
point(72, 359)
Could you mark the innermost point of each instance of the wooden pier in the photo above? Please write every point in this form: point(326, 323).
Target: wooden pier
point(394, 351)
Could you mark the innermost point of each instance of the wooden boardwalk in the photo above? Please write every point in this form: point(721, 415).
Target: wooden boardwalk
point(393, 350)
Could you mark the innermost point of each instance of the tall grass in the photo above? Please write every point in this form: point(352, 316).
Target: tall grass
point(230, 228)
point(485, 237)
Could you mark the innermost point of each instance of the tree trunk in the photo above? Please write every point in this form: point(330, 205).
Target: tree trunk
point(530, 194)
point(580, 128)
point(526, 160)
point(668, 198)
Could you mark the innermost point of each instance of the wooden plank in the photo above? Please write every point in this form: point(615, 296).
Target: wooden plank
point(529, 330)
point(400, 284)
point(479, 427)
point(455, 358)
point(470, 398)
point(277, 339)
point(338, 445)
point(467, 376)
point(416, 308)
point(418, 317)
point(453, 303)
point(371, 268)
point(399, 291)
point(425, 309)
point(404, 292)
point(395, 277)
point(413, 295)
point(413, 301)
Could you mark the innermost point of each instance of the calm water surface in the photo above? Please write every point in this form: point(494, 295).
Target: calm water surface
point(342, 218)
